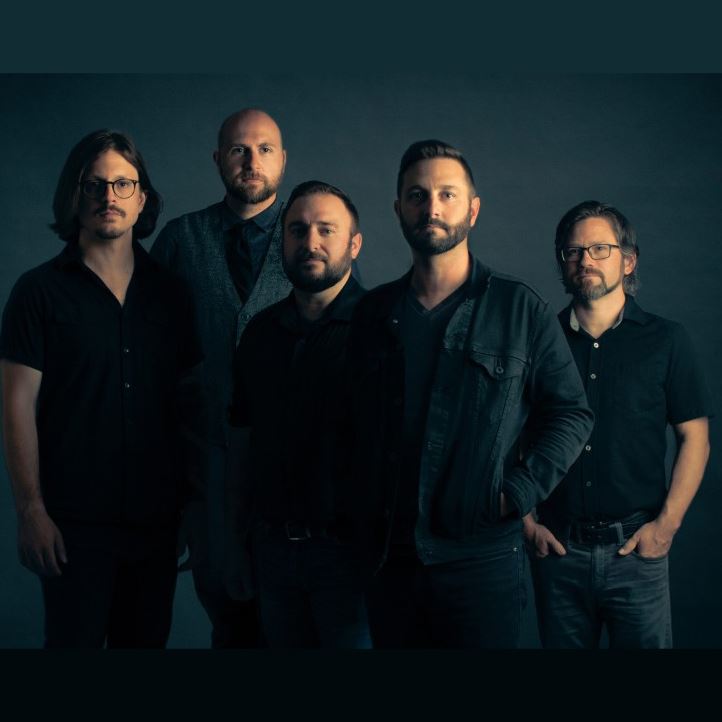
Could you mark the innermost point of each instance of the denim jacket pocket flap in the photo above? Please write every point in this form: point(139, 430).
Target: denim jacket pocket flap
point(498, 367)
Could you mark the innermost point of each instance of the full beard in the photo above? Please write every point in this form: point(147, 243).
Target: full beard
point(304, 280)
point(423, 241)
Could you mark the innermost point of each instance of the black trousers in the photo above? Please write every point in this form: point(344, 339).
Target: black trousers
point(116, 589)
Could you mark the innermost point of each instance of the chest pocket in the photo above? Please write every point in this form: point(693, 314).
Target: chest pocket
point(497, 381)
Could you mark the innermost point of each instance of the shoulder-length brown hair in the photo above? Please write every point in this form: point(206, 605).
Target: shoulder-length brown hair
point(67, 193)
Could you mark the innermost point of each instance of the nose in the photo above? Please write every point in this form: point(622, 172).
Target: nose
point(250, 158)
point(433, 206)
point(586, 259)
point(108, 193)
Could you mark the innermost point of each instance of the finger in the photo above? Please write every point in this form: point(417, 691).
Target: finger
point(49, 562)
point(630, 544)
point(60, 548)
point(556, 545)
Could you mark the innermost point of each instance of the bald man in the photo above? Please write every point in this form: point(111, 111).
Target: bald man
point(230, 253)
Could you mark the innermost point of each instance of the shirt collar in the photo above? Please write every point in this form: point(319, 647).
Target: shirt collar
point(631, 311)
point(71, 255)
point(340, 309)
point(265, 220)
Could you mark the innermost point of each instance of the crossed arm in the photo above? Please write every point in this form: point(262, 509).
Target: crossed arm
point(40, 544)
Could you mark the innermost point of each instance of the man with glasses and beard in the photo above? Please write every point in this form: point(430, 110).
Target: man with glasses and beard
point(97, 350)
point(448, 363)
point(288, 391)
point(602, 538)
point(230, 253)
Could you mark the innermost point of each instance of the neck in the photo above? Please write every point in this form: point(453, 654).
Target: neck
point(435, 278)
point(107, 257)
point(248, 210)
point(598, 316)
point(312, 305)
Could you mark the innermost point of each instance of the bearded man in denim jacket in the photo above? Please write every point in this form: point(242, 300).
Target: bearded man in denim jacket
point(448, 365)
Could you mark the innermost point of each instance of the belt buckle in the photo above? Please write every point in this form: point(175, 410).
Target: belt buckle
point(295, 532)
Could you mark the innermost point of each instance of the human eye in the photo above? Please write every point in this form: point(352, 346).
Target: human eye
point(237, 150)
point(266, 149)
point(572, 253)
point(449, 195)
point(123, 184)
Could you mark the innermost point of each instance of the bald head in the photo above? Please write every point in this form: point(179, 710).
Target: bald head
point(251, 160)
point(248, 118)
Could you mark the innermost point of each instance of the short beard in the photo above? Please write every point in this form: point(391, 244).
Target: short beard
point(309, 283)
point(245, 195)
point(585, 293)
point(426, 244)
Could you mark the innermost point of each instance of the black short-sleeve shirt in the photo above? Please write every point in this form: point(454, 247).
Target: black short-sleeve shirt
point(639, 375)
point(107, 413)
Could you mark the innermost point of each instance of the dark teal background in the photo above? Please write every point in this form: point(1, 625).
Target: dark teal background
point(538, 144)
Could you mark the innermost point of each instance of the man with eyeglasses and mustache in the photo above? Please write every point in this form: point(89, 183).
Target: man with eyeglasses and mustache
point(98, 349)
point(602, 539)
point(448, 363)
point(230, 254)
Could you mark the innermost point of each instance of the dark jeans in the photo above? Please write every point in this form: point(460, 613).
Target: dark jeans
point(473, 603)
point(309, 592)
point(593, 586)
point(116, 589)
point(235, 623)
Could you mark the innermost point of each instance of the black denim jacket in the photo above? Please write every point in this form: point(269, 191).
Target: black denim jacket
point(504, 367)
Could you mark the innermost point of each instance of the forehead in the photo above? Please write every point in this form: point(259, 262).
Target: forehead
point(111, 165)
point(433, 172)
point(252, 129)
point(594, 229)
point(318, 208)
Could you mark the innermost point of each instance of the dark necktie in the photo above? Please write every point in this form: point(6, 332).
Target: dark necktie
point(238, 255)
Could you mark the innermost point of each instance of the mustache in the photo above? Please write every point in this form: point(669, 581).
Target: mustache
point(253, 176)
point(303, 254)
point(108, 207)
point(428, 221)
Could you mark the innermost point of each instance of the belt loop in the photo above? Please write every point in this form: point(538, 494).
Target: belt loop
point(620, 532)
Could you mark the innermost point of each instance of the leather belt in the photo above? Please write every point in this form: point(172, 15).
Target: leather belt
point(298, 531)
point(607, 532)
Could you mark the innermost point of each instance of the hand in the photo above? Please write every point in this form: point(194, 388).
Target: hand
point(191, 536)
point(40, 543)
point(651, 541)
point(540, 539)
point(505, 508)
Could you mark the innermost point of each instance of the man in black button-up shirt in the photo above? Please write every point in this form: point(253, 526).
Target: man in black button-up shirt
point(605, 532)
point(288, 391)
point(95, 347)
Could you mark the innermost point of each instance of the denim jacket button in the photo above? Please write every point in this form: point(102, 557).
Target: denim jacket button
point(500, 369)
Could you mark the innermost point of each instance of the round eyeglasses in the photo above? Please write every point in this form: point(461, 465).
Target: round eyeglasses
point(95, 189)
point(597, 252)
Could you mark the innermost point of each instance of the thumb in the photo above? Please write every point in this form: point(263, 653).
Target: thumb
point(557, 546)
point(630, 544)
point(60, 548)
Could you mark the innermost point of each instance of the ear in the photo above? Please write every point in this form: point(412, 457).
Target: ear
point(630, 263)
point(283, 169)
point(475, 206)
point(141, 201)
point(356, 243)
point(396, 208)
point(215, 157)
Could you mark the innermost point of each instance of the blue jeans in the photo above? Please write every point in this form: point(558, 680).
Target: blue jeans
point(310, 593)
point(593, 586)
point(472, 603)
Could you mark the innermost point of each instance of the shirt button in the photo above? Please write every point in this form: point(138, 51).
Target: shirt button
point(126, 350)
point(589, 483)
point(596, 345)
point(587, 448)
point(592, 376)
point(394, 320)
point(126, 385)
